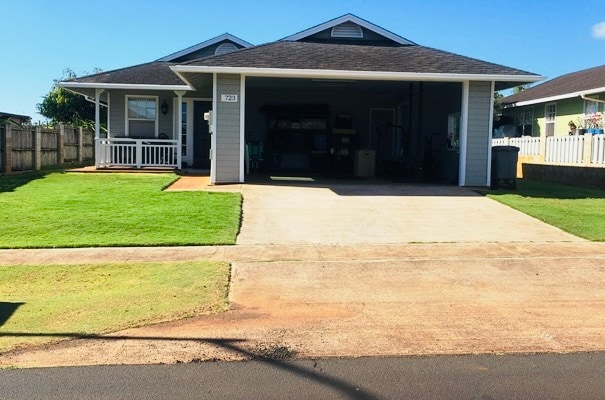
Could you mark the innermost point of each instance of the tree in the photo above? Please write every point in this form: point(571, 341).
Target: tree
point(63, 106)
point(521, 88)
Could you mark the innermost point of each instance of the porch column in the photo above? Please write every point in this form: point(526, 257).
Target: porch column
point(179, 128)
point(98, 93)
point(463, 134)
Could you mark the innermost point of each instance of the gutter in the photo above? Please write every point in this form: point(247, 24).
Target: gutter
point(581, 94)
point(347, 74)
point(130, 86)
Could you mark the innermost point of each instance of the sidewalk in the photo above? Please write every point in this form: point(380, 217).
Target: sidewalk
point(373, 300)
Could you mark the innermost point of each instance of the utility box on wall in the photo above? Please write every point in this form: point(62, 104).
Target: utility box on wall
point(365, 163)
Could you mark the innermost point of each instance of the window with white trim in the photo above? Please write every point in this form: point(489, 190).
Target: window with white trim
point(550, 114)
point(525, 121)
point(591, 107)
point(141, 116)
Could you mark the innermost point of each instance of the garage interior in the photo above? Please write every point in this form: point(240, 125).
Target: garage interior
point(405, 131)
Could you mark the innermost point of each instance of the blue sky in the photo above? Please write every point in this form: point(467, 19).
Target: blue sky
point(41, 38)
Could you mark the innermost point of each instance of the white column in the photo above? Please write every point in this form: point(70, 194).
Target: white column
point(489, 139)
point(98, 93)
point(242, 130)
point(463, 133)
point(179, 127)
point(214, 133)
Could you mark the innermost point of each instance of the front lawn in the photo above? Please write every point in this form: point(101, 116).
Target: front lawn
point(113, 209)
point(39, 304)
point(579, 211)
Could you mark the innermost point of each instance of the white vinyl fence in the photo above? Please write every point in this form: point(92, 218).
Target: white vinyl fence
point(561, 149)
point(528, 145)
point(565, 149)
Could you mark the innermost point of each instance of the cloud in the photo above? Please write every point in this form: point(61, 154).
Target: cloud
point(598, 30)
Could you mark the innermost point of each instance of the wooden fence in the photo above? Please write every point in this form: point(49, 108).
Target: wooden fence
point(27, 148)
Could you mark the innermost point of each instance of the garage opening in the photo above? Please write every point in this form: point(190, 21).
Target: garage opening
point(353, 128)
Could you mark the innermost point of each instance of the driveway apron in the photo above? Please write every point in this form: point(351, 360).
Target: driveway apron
point(379, 213)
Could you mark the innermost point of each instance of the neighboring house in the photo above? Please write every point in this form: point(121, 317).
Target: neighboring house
point(547, 109)
point(14, 118)
point(345, 96)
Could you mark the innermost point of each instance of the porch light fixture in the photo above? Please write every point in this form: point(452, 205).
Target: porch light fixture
point(164, 107)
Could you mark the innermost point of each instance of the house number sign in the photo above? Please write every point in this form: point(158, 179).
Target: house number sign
point(229, 98)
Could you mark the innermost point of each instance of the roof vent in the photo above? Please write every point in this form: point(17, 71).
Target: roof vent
point(225, 48)
point(347, 30)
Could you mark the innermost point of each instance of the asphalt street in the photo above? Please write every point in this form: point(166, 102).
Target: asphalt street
point(577, 376)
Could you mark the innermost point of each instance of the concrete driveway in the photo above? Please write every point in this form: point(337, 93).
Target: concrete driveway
point(378, 213)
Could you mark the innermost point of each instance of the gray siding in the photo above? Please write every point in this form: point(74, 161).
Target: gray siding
point(478, 133)
point(227, 130)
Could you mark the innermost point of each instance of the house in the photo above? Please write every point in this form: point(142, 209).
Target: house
point(14, 118)
point(559, 106)
point(343, 97)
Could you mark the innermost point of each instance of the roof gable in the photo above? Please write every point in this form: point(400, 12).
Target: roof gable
point(347, 23)
point(575, 84)
point(196, 51)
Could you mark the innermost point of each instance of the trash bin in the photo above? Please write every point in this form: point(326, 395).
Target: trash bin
point(504, 166)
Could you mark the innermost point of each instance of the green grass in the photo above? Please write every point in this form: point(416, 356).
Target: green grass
point(88, 210)
point(95, 299)
point(579, 211)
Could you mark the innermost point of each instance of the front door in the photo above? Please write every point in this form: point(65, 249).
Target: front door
point(201, 135)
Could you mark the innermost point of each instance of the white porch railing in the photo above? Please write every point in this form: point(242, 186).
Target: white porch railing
point(137, 153)
point(565, 149)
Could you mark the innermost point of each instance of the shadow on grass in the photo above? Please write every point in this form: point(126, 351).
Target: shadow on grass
point(8, 183)
point(276, 356)
point(7, 310)
point(547, 190)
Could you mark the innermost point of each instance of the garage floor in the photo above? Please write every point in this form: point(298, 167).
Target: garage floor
point(373, 212)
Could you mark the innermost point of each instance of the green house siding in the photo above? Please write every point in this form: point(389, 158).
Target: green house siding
point(567, 110)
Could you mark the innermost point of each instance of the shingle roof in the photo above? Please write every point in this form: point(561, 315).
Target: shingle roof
point(574, 82)
point(157, 73)
point(330, 56)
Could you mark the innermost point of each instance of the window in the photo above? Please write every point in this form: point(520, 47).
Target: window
point(591, 107)
point(141, 116)
point(550, 113)
point(525, 121)
point(453, 131)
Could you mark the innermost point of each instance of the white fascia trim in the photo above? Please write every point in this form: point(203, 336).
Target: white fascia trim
point(559, 97)
point(131, 86)
point(346, 74)
point(348, 18)
point(209, 42)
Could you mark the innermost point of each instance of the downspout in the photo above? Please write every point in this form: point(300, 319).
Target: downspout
point(583, 96)
point(98, 93)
